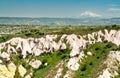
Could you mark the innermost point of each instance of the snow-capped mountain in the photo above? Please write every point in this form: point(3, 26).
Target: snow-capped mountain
point(89, 14)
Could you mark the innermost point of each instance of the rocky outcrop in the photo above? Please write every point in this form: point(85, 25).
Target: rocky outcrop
point(48, 44)
point(35, 63)
point(112, 63)
point(59, 73)
point(7, 72)
point(22, 70)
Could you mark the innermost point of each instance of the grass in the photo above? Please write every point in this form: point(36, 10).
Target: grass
point(52, 60)
point(92, 65)
point(5, 37)
point(3, 50)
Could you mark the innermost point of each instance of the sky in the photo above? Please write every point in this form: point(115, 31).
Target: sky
point(58, 8)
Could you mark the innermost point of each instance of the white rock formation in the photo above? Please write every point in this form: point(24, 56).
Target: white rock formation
point(5, 55)
point(22, 70)
point(73, 63)
point(89, 53)
point(59, 73)
point(7, 72)
point(46, 64)
point(11, 49)
point(35, 63)
point(67, 75)
point(106, 74)
point(38, 46)
point(28, 76)
point(0, 61)
point(12, 68)
point(112, 63)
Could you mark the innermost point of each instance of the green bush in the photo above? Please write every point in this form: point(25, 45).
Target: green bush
point(84, 67)
point(6, 37)
point(28, 34)
point(109, 45)
point(105, 41)
point(32, 33)
point(19, 56)
point(42, 66)
point(3, 50)
point(91, 63)
point(97, 48)
point(27, 66)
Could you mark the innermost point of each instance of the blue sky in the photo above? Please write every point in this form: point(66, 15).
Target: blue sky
point(58, 8)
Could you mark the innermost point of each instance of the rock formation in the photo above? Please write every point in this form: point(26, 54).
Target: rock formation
point(47, 44)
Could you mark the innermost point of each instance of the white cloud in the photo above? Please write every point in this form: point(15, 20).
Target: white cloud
point(113, 5)
point(114, 9)
point(90, 14)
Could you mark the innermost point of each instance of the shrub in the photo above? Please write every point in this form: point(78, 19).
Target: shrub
point(28, 34)
point(64, 56)
point(23, 63)
point(91, 63)
point(3, 50)
point(6, 37)
point(97, 57)
point(114, 26)
point(109, 45)
point(44, 61)
point(82, 74)
point(105, 41)
point(59, 53)
point(85, 51)
point(91, 28)
point(27, 66)
point(42, 66)
point(84, 67)
point(19, 56)
point(97, 48)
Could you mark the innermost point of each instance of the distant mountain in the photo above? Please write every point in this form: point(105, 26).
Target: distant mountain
point(116, 18)
point(88, 19)
point(89, 14)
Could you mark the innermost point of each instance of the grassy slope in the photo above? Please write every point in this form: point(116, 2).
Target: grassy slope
point(52, 60)
point(93, 64)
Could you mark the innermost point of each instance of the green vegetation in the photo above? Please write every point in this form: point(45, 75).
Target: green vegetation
point(5, 37)
point(26, 31)
point(52, 59)
point(3, 50)
point(118, 76)
point(32, 33)
point(17, 74)
point(91, 65)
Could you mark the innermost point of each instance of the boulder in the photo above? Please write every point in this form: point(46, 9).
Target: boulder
point(22, 70)
point(5, 55)
point(73, 63)
point(12, 68)
point(35, 63)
